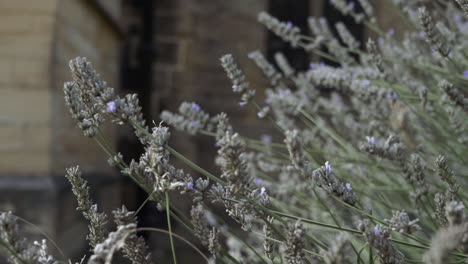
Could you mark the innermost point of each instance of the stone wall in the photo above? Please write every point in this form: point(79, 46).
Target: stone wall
point(38, 138)
point(26, 32)
point(190, 37)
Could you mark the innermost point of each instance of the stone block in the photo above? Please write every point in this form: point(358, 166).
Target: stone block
point(31, 46)
point(165, 25)
point(25, 162)
point(28, 6)
point(23, 73)
point(31, 106)
point(12, 138)
point(23, 23)
point(167, 51)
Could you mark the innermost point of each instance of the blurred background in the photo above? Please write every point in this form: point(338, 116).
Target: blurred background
point(167, 51)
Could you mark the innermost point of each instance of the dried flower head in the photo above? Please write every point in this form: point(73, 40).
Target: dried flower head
point(104, 251)
point(287, 31)
point(401, 223)
point(135, 248)
point(433, 36)
point(238, 79)
point(295, 244)
point(97, 220)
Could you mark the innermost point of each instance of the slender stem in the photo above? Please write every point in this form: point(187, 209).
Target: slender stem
point(168, 210)
point(153, 229)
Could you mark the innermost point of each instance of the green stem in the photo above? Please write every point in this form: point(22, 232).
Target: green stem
point(153, 229)
point(168, 210)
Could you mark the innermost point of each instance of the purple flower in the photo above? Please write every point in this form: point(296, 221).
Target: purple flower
point(263, 191)
point(86, 122)
point(195, 123)
point(421, 35)
point(190, 186)
point(235, 88)
point(465, 74)
point(111, 107)
point(265, 138)
point(313, 66)
point(380, 41)
point(283, 92)
point(242, 104)
point(328, 167)
point(366, 82)
point(196, 107)
point(258, 181)
point(289, 24)
point(377, 230)
point(348, 186)
point(370, 140)
point(392, 95)
point(251, 55)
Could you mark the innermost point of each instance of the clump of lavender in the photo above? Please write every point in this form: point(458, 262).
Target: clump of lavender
point(381, 116)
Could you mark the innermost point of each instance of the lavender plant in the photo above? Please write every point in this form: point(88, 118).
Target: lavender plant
point(371, 169)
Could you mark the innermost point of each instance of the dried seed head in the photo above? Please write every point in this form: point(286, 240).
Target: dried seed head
point(238, 79)
point(433, 36)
